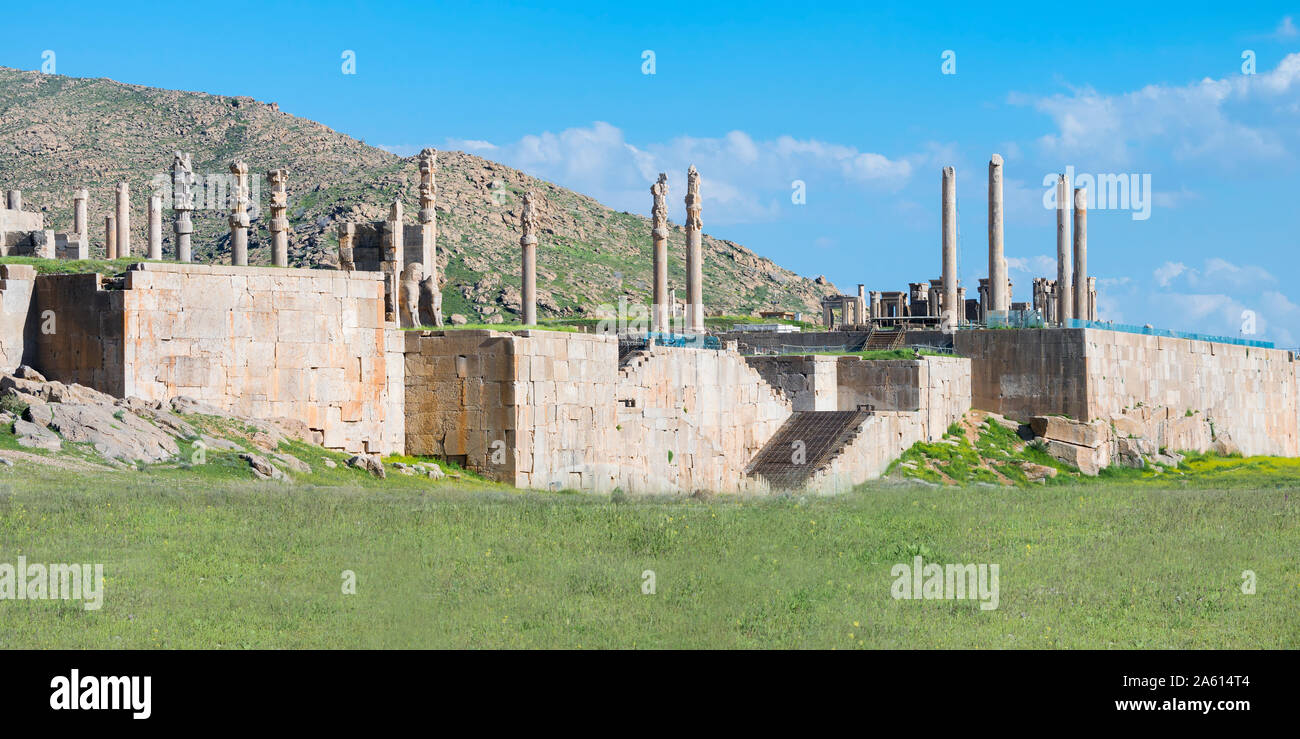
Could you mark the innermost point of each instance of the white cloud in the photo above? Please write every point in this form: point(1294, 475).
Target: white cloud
point(1166, 272)
point(1039, 266)
point(1195, 121)
point(1286, 29)
point(744, 180)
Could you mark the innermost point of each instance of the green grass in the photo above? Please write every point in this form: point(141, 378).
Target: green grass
point(196, 561)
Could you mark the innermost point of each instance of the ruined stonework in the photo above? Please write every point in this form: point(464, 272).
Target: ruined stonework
point(278, 179)
point(1247, 393)
point(528, 257)
point(239, 216)
point(182, 205)
point(694, 254)
point(309, 345)
point(659, 242)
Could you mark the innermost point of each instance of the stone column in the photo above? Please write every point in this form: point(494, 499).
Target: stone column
point(949, 193)
point(1064, 285)
point(14, 199)
point(1092, 299)
point(123, 220)
point(997, 259)
point(659, 306)
point(155, 227)
point(828, 315)
point(279, 182)
point(182, 204)
point(428, 214)
point(528, 247)
point(694, 254)
point(347, 233)
point(1080, 252)
point(239, 216)
point(110, 236)
point(860, 310)
point(392, 260)
point(875, 304)
point(79, 224)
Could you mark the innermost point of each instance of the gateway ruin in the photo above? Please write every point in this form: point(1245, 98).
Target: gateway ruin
point(359, 355)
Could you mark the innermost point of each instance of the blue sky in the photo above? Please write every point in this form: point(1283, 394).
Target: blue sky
point(849, 100)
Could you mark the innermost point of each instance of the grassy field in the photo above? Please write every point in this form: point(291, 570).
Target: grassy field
point(215, 561)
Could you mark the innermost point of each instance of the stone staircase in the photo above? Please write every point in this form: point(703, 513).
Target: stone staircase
point(884, 340)
point(823, 435)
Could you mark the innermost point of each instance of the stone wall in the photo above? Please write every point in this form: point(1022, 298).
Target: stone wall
point(549, 409)
point(1246, 394)
point(262, 342)
point(17, 288)
point(807, 380)
point(881, 439)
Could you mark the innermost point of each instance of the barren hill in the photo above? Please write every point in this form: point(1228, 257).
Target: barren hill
point(61, 133)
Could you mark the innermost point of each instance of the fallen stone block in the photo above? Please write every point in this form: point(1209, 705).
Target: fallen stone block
point(1059, 428)
point(368, 463)
point(1089, 460)
point(262, 467)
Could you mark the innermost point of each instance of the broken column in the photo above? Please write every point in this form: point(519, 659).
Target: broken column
point(998, 297)
point(392, 260)
point(860, 308)
point(694, 254)
point(110, 236)
point(951, 314)
point(347, 234)
point(279, 181)
point(1081, 252)
point(1092, 299)
point(155, 227)
point(123, 219)
point(182, 204)
point(659, 238)
point(428, 215)
point(528, 246)
point(239, 216)
point(875, 304)
point(1064, 285)
point(79, 224)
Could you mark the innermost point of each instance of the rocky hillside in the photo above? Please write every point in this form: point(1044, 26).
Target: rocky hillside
point(61, 133)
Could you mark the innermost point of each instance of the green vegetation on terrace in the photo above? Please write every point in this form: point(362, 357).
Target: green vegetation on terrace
point(74, 266)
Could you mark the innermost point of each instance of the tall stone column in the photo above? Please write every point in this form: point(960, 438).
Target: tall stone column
point(79, 222)
point(997, 257)
point(659, 308)
point(428, 214)
point(528, 248)
point(123, 220)
point(860, 310)
point(875, 304)
point(1081, 252)
point(1064, 285)
point(110, 236)
point(182, 204)
point(949, 225)
point(393, 260)
point(155, 227)
point(279, 182)
point(694, 254)
point(239, 215)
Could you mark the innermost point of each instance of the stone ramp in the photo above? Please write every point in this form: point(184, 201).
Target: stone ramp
point(824, 435)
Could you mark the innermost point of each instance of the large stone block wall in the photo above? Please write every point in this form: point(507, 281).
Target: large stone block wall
point(17, 291)
point(807, 380)
point(881, 439)
point(697, 419)
point(1027, 372)
point(304, 344)
point(79, 323)
point(1248, 394)
point(560, 413)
